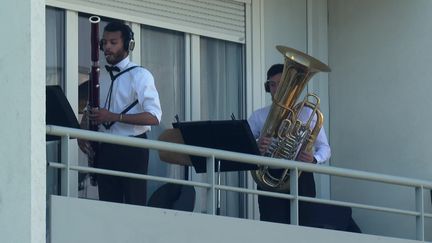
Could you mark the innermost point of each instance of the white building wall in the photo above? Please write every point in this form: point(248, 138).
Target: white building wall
point(380, 103)
point(22, 132)
point(82, 223)
point(284, 23)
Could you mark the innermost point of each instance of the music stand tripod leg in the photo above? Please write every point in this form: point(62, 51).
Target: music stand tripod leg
point(218, 190)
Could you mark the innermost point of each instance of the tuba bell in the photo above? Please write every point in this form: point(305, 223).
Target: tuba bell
point(288, 133)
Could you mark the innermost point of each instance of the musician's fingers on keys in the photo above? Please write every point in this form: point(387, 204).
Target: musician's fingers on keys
point(263, 143)
point(101, 115)
point(94, 115)
point(305, 157)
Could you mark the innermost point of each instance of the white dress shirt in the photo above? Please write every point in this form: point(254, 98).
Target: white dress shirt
point(136, 84)
point(321, 147)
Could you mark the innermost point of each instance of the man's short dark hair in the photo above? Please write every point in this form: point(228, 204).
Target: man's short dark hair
point(274, 69)
point(126, 32)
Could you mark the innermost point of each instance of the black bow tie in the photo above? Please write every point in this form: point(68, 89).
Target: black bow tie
point(112, 68)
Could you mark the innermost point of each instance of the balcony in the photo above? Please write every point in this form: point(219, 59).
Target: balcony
point(81, 220)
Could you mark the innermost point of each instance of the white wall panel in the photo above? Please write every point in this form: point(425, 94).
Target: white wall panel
point(22, 132)
point(94, 221)
point(284, 24)
point(380, 103)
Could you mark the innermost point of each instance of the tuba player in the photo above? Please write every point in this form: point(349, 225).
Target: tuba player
point(278, 209)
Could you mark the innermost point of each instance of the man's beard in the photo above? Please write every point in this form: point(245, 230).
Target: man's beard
point(114, 58)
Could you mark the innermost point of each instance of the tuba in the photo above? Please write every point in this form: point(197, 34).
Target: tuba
point(290, 135)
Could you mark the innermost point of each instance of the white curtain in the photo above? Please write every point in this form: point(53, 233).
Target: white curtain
point(54, 46)
point(221, 79)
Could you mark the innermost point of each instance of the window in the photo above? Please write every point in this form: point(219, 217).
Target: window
point(163, 53)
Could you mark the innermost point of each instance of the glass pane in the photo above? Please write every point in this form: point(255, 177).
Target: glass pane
point(222, 89)
point(163, 54)
point(55, 42)
point(55, 39)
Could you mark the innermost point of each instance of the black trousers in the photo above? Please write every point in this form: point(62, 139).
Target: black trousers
point(126, 159)
point(278, 210)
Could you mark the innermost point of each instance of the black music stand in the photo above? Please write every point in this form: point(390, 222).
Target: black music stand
point(230, 135)
point(58, 110)
point(60, 113)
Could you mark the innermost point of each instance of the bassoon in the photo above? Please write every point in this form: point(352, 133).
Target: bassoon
point(93, 87)
point(93, 91)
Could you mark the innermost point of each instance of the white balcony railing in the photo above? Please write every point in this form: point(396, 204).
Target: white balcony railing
point(212, 187)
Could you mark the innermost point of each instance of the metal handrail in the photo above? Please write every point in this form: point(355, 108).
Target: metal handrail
point(211, 186)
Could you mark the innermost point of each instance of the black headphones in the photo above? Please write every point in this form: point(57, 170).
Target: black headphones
point(267, 86)
point(128, 42)
point(273, 70)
